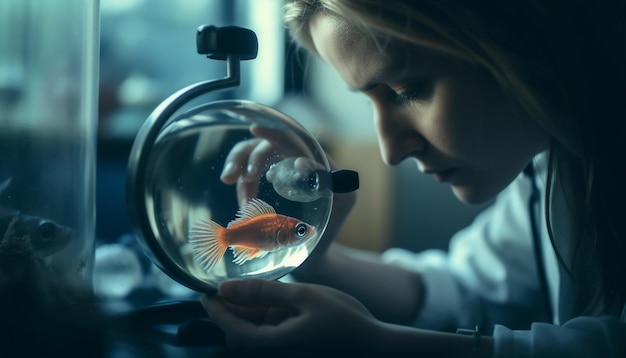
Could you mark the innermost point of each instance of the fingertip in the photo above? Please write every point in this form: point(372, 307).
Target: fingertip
point(251, 171)
point(229, 289)
point(208, 303)
point(228, 174)
point(254, 129)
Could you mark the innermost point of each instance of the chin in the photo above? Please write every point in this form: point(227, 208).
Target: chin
point(472, 196)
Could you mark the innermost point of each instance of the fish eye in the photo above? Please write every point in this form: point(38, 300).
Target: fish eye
point(46, 230)
point(313, 182)
point(301, 229)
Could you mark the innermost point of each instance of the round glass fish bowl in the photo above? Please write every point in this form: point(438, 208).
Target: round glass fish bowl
point(233, 189)
point(228, 189)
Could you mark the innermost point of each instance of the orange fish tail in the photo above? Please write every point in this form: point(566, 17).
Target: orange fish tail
point(207, 242)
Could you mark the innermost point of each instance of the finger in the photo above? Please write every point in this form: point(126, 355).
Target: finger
point(238, 330)
point(273, 135)
point(256, 292)
point(246, 190)
point(236, 162)
point(261, 158)
point(217, 309)
point(213, 305)
point(235, 329)
point(287, 142)
point(260, 315)
point(276, 315)
point(306, 165)
point(255, 315)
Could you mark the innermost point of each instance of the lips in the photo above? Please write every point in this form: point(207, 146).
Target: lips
point(444, 176)
point(440, 175)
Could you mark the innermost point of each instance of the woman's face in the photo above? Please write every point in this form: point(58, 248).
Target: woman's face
point(450, 116)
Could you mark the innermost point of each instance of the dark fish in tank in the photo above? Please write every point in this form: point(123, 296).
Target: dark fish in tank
point(43, 314)
point(46, 236)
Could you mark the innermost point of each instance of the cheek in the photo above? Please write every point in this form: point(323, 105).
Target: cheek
point(471, 196)
point(451, 123)
point(473, 117)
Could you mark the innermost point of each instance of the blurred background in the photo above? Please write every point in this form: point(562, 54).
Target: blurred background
point(148, 52)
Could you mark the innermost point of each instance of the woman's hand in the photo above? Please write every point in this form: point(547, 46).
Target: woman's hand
point(249, 159)
point(258, 315)
point(269, 315)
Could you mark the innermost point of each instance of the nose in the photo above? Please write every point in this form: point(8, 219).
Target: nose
point(397, 135)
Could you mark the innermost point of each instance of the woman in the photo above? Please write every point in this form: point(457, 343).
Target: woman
point(518, 100)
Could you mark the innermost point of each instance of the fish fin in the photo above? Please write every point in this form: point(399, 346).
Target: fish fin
point(254, 207)
point(244, 253)
point(207, 243)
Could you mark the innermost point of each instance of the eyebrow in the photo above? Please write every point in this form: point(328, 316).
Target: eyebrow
point(388, 69)
point(370, 85)
point(383, 72)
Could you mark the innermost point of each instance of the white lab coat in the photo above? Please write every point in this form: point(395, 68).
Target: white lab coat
point(489, 278)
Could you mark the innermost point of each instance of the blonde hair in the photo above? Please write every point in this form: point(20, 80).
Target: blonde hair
point(563, 61)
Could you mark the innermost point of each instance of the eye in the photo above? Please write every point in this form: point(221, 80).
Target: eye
point(420, 90)
point(313, 182)
point(301, 230)
point(46, 230)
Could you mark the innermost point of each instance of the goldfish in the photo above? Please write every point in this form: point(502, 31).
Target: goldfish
point(256, 231)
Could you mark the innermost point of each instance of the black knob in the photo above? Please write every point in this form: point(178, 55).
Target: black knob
point(344, 181)
point(219, 42)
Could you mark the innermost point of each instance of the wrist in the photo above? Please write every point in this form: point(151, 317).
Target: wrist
point(322, 265)
point(311, 270)
point(390, 338)
point(482, 346)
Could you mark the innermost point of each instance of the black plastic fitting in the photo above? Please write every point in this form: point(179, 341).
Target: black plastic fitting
point(219, 42)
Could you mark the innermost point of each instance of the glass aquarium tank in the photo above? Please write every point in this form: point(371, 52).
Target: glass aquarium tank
point(48, 121)
point(228, 189)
